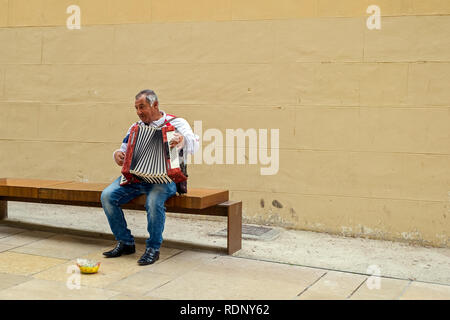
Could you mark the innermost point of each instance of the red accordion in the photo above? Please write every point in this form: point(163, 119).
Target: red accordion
point(149, 157)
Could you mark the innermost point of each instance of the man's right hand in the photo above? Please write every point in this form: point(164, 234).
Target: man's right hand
point(119, 156)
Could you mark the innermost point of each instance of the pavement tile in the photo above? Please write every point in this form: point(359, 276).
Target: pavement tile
point(64, 246)
point(235, 278)
point(389, 289)
point(6, 231)
point(261, 270)
point(9, 280)
point(320, 295)
point(111, 269)
point(140, 283)
point(53, 290)
point(181, 263)
point(426, 291)
point(26, 264)
point(334, 285)
point(24, 238)
point(123, 296)
point(6, 247)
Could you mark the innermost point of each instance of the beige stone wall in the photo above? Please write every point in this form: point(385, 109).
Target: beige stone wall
point(364, 115)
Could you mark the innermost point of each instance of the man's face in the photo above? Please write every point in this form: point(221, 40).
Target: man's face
point(146, 112)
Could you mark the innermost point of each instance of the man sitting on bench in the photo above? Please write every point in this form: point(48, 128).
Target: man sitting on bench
point(147, 108)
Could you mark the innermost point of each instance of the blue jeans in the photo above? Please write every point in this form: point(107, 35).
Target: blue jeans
point(115, 195)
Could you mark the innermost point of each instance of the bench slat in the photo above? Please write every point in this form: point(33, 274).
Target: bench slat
point(26, 188)
point(73, 191)
point(51, 190)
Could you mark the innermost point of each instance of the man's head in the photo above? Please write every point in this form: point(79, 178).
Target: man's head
point(147, 107)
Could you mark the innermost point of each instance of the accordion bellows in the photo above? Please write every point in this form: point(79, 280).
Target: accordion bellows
point(149, 157)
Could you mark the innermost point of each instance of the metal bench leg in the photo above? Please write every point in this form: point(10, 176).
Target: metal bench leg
point(3, 209)
point(234, 237)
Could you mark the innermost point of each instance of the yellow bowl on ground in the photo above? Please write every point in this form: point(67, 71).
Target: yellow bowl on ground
point(87, 266)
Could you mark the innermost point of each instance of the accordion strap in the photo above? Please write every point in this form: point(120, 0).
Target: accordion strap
point(166, 122)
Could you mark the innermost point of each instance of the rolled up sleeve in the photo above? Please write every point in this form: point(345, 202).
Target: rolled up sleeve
point(191, 140)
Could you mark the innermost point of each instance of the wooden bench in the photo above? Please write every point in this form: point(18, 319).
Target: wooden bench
point(196, 201)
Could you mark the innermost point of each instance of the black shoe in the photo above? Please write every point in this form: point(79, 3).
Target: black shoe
point(121, 248)
point(149, 257)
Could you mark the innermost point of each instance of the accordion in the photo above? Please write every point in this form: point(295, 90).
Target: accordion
point(149, 157)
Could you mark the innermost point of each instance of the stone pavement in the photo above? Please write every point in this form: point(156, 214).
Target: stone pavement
point(40, 265)
point(398, 260)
